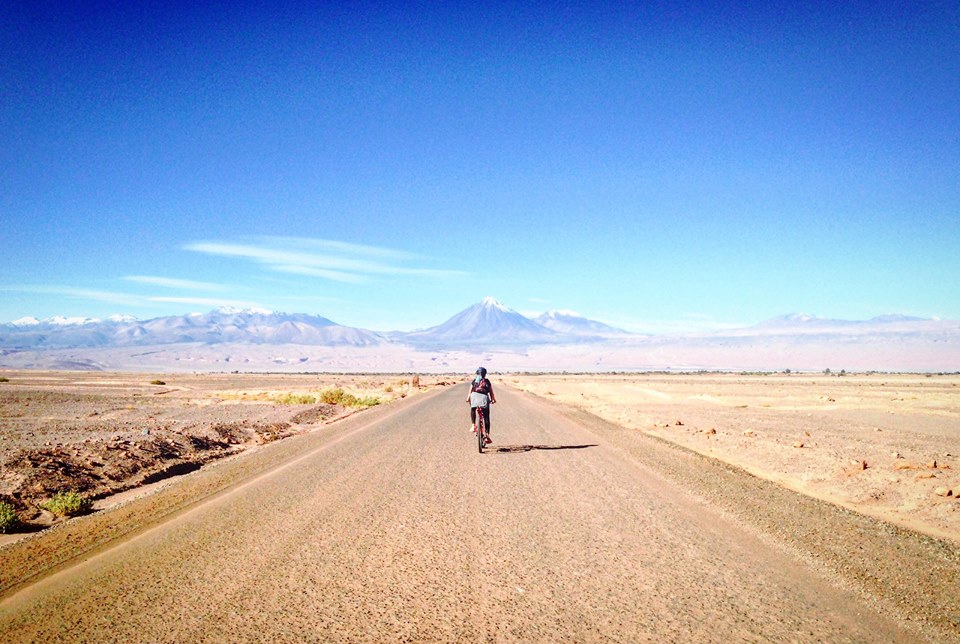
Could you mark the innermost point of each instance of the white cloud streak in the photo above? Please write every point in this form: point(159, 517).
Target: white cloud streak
point(110, 297)
point(326, 259)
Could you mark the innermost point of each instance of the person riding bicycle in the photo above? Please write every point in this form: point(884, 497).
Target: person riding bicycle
point(481, 396)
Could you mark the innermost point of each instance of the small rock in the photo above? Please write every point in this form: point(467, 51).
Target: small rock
point(903, 466)
point(145, 432)
point(807, 434)
point(678, 423)
point(926, 475)
point(863, 465)
point(943, 491)
point(749, 432)
point(711, 431)
point(877, 429)
point(932, 465)
point(896, 455)
point(798, 445)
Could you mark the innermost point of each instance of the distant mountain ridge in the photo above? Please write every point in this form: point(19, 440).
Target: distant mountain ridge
point(571, 322)
point(486, 324)
point(257, 326)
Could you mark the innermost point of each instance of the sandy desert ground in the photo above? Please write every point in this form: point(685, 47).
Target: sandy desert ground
point(101, 434)
point(883, 445)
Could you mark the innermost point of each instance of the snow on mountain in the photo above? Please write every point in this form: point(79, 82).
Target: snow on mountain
point(488, 322)
point(26, 321)
point(122, 319)
point(572, 323)
point(59, 320)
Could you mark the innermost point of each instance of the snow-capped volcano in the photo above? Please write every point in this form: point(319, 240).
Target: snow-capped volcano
point(487, 322)
point(571, 322)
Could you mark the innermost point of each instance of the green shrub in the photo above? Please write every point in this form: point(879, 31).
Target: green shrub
point(338, 396)
point(4, 379)
point(157, 382)
point(366, 401)
point(9, 519)
point(296, 399)
point(68, 504)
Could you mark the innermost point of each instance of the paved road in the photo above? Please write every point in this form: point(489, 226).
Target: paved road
point(400, 531)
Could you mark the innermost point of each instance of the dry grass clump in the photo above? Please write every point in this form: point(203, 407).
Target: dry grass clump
point(337, 396)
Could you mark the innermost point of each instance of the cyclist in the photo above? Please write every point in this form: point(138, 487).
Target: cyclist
point(481, 395)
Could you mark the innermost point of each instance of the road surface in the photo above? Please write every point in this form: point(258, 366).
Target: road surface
point(396, 529)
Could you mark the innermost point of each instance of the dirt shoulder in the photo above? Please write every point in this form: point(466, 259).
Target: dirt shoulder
point(884, 445)
point(101, 434)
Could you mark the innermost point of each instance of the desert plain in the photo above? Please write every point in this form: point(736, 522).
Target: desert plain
point(884, 445)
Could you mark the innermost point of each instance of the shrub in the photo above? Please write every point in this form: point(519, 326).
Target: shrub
point(4, 379)
point(332, 396)
point(338, 396)
point(9, 519)
point(68, 504)
point(296, 399)
point(366, 401)
point(157, 382)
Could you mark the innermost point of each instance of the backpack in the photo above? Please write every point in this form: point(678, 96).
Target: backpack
point(481, 387)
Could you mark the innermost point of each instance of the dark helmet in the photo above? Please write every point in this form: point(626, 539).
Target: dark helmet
point(482, 372)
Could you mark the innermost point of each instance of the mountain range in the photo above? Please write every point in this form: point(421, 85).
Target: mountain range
point(261, 339)
point(486, 323)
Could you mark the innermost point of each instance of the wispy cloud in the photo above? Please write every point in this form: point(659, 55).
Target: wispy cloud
point(110, 297)
point(126, 299)
point(326, 259)
point(174, 283)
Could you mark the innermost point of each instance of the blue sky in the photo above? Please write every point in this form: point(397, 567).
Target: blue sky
point(659, 166)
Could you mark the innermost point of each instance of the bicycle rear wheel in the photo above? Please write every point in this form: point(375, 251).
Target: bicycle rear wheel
point(481, 428)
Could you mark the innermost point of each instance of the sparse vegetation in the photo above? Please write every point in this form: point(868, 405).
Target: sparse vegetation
point(9, 519)
point(329, 396)
point(157, 382)
point(4, 379)
point(68, 504)
point(337, 396)
point(295, 399)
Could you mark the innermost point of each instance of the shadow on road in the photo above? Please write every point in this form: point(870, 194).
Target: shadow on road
point(516, 449)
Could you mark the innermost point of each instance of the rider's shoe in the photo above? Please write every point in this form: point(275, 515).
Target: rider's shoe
point(473, 429)
point(487, 440)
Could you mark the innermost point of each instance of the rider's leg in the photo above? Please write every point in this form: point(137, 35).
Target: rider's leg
point(473, 419)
